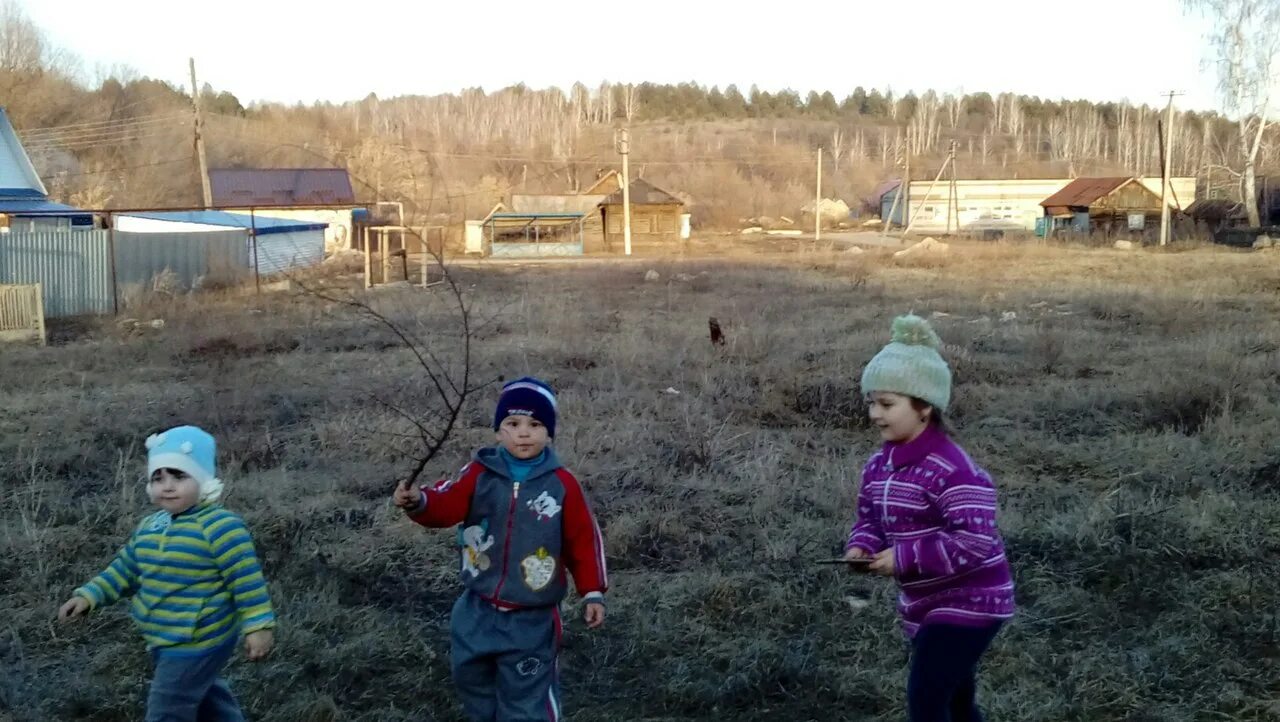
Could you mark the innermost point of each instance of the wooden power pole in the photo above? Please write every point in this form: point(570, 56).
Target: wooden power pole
point(1166, 168)
point(952, 200)
point(817, 202)
point(199, 130)
point(624, 148)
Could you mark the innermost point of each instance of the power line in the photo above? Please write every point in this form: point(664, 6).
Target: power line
point(76, 126)
point(101, 133)
point(87, 145)
point(121, 169)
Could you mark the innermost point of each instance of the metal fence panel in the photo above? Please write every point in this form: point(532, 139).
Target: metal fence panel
point(214, 256)
point(72, 268)
point(87, 272)
point(279, 252)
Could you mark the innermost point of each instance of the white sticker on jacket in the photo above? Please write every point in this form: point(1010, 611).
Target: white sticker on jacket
point(539, 569)
point(545, 506)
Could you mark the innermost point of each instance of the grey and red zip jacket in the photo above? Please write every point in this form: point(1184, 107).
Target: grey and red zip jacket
point(517, 540)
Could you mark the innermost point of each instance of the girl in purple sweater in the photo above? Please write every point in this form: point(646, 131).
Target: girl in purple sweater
point(927, 517)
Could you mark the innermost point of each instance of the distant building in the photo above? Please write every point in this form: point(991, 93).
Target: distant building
point(1114, 205)
point(322, 195)
point(569, 224)
point(24, 202)
point(275, 244)
point(992, 205)
point(657, 216)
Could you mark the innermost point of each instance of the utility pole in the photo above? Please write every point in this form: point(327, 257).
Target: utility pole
point(817, 202)
point(622, 139)
point(927, 194)
point(1165, 168)
point(199, 129)
point(906, 188)
point(951, 191)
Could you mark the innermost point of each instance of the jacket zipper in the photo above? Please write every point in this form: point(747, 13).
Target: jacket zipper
point(506, 544)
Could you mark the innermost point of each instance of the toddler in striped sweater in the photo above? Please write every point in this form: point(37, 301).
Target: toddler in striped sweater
point(195, 583)
point(927, 517)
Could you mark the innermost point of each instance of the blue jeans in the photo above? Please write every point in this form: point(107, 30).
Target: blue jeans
point(191, 689)
point(942, 684)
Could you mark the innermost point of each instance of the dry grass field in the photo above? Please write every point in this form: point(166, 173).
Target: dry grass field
point(1126, 403)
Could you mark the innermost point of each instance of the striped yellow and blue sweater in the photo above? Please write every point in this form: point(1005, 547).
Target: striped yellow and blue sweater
point(194, 579)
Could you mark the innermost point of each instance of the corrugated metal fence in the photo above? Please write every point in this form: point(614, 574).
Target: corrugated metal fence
point(88, 272)
point(282, 251)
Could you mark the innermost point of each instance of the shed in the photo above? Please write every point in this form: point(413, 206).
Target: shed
point(322, 195)
point(592, 227)
point(655, 215)
point(531, 233)
point(275, 244)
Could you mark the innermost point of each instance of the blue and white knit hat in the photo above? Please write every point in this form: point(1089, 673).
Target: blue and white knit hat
point(527, 397)
point(190, 450)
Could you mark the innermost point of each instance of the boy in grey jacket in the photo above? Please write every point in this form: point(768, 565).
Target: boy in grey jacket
point(523, 522)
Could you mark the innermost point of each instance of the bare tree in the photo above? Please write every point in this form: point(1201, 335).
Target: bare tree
point(22, 44)
point(838, 145)
point(1244, 44)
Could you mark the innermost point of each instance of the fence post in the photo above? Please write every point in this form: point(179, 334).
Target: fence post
point(253, 234)
point(39, 309)
point(115, 280)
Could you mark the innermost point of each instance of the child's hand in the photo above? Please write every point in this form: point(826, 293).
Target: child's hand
point(884, 564)
point(406, 497)
point(855, 553)
point(257, 645)
point(594, 615)
point(74, 608)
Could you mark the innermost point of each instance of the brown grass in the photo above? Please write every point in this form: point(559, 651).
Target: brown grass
point(1127, 408)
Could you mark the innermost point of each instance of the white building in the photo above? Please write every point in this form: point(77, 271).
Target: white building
point(994, 205)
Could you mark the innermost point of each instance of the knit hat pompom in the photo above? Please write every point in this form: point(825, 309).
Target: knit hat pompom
point(910, 364)
point(915, 331)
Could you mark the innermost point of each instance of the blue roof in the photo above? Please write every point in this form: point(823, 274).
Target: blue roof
point(264, 225)
point(35, 207)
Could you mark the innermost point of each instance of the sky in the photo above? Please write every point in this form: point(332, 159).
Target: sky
point(291, 51)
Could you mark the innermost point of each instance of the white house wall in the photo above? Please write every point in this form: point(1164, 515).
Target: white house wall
point(337, 236)
point(1001, 204)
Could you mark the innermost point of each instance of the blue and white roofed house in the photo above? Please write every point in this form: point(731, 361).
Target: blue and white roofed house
point(24, 201)
point(281, 243)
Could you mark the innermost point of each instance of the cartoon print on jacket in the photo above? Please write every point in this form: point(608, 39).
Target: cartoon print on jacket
point(544, 506)
point(474, 544)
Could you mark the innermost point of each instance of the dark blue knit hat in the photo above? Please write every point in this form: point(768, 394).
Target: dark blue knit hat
point(527, 397)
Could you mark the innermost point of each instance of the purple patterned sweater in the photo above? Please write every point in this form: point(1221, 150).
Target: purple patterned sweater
point(937, 509)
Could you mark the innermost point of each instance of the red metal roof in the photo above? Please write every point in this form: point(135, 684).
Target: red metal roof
point(280, 187)
point(878, 194)
point(1083, 192)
